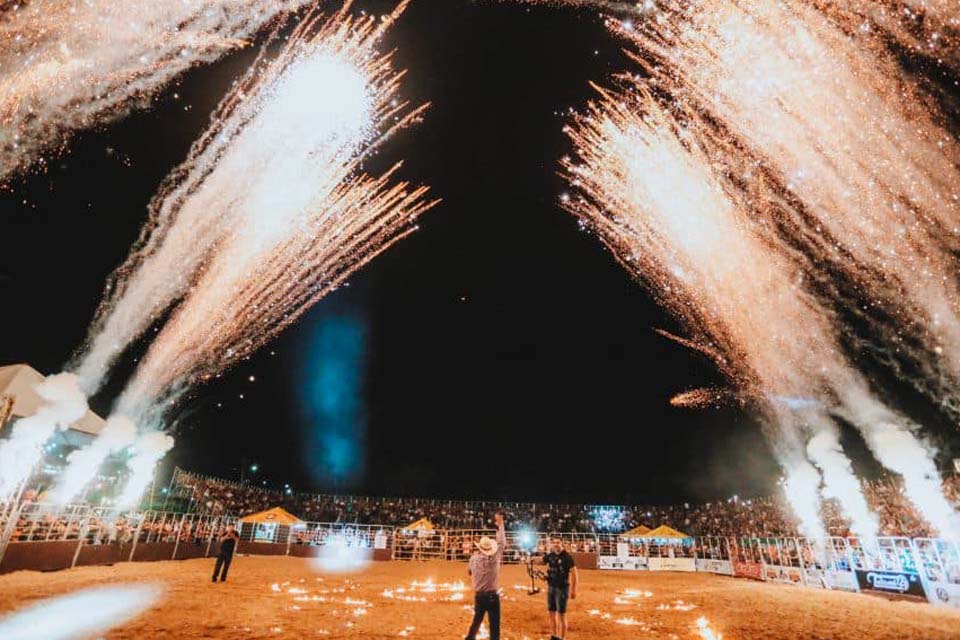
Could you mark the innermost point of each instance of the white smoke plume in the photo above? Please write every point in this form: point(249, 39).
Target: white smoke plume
point(63, 404)
point(82, 464)
point(893, 441)
point(148, 449)
point(87, 613)
point(802, 488)
point(839, 481)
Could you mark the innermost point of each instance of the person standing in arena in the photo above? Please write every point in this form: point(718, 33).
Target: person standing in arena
point(562, 581)
point(484, 570)
point(228, 544)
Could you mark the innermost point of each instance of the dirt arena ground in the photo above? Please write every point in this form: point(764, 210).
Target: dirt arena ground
point(284, 597)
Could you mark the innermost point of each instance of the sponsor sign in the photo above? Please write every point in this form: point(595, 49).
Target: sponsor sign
point(945, 594)
point(723, 567)
point(616, 563)
point(841, 580)
point(672, 564)
point(777, 573)
point(890, 582)
point(380, 540)
point(815, 578)
point(752, 570)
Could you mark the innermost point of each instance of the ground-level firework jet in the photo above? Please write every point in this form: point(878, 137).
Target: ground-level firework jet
point(268, 214)
point(757, 153)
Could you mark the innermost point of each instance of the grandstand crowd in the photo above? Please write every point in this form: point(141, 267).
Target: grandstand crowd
point(756, 517)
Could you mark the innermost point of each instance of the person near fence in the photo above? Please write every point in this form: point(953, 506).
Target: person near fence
point(228, 544)
point(484, 570)
point(562, 581)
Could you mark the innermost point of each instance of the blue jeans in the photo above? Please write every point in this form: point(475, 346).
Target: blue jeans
point(485, 602)
point(557, 599)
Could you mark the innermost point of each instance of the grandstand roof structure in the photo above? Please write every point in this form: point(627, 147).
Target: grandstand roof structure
point(639, 531)
point(19, 381)
point(276, 515)
point(663, 531)
point(423, 524)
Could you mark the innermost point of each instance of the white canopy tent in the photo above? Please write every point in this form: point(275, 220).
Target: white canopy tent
point(19, 381)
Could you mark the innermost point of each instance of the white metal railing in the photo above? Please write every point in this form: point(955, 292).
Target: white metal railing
point(930, 567)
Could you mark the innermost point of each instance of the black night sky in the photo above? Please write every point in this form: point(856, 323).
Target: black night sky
point(500, 352)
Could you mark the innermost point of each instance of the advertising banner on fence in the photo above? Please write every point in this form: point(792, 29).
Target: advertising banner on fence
point(842, 580)
point(752, 570)
point(777, 573)
point(891, 582)
point(672, 564)
point(380, 540)
point(616, 563)
point(944, 594)
point(815, 578)
point(722, 567)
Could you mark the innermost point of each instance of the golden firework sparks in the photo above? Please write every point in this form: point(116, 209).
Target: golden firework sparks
point(71, 65)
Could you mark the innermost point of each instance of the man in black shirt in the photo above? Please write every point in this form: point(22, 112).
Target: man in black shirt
point(562, 580)
point(228, 544)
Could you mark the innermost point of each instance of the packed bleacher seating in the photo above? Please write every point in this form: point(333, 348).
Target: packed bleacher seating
point(761, 517)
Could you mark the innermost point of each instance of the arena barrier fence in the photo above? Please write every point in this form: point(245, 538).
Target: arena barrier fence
point(45, 537)
point(306, 539)
point(921, 568)
point(48, 537)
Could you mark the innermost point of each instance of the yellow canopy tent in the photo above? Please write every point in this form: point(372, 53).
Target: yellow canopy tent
point(277, 515)
point(663, 531)
point(637, 532)
point(423, 524)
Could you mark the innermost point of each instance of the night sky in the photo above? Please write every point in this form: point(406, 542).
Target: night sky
point(499, 352)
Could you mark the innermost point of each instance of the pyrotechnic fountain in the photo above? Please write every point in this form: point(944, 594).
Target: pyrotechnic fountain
point(268, 214)
point(64, 403)
point(796, 147)
point(651, 195)
point(66, 66)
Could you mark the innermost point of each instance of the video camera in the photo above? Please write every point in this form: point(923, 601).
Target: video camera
point(534, 573)
point(527, 543)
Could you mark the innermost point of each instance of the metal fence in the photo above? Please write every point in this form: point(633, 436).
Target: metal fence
point(273, 538)
point(49, 537)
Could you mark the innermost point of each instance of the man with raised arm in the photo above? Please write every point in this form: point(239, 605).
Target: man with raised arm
point(484, 570)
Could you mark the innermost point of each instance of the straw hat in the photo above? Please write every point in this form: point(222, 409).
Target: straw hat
point(487, 546)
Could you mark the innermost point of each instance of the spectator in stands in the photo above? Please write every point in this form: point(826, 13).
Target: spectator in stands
point(228, 544)
point(484, 570)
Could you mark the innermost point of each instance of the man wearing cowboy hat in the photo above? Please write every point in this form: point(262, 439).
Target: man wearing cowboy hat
point(484, 570)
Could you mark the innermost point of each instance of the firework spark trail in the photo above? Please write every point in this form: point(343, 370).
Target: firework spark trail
point(703, 398)
point(875, 174)
point(245, 168)
point(926, 28)
point(651, 195)
point(69, 65)
point(301, 220)
point(830, 115)
point(693, 64)
point(611, 7)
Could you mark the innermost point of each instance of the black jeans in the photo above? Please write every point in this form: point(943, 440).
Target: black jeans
point(486, 602)
point(224, 562)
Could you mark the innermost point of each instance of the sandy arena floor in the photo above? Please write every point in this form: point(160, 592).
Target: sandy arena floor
point(286, 598)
